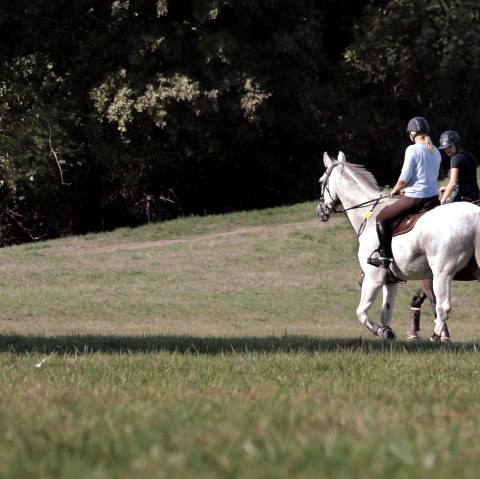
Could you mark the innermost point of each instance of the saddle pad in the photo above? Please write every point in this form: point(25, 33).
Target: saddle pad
point(406, 225)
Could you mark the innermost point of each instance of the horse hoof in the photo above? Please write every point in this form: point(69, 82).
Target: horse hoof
point(444, 337)
point(386, 333)
point(445, 334)
point(435, 337)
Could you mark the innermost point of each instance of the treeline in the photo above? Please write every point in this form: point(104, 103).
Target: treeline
point(122, 112)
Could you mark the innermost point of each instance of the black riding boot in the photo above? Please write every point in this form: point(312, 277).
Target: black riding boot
point(384, 232)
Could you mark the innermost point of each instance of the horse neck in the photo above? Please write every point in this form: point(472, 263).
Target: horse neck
point(352, 194)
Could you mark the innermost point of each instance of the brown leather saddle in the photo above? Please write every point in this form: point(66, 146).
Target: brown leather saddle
point(406, 224)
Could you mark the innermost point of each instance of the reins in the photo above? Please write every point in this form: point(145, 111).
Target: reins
point(368, 214)
point(373, 202)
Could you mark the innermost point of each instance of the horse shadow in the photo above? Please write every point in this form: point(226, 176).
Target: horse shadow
point(195, 345)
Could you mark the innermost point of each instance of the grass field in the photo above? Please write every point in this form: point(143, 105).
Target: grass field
point(224, 347)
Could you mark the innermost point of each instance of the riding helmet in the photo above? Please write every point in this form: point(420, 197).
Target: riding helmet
point(418, 125)
point(448, 138)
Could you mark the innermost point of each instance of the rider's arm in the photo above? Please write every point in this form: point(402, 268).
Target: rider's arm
point(451, 185)
point(400, 185)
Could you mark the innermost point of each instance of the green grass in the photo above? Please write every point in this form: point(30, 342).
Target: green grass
point(356, 412)
point(224, 347)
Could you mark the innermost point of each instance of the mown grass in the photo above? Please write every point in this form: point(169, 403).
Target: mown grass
point(355, 412)
point(224, 347)
point(257, 279)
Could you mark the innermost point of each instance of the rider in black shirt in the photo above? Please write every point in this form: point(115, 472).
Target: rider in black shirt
point(463, 170)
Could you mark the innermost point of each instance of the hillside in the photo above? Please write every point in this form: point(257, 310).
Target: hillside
point(261, 273)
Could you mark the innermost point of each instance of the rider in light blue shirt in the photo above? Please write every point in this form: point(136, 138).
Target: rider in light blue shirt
point(420, 171)
point(417, 183)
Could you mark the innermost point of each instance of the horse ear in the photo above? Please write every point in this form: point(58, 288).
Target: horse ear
point(327, 161)
point(341, 157)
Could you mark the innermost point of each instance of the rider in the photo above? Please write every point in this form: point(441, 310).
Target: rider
point(417, 183)
point(463, 170)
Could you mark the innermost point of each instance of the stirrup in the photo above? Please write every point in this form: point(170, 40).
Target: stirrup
point(385, 262)
point(382, 261)
point(373, 261)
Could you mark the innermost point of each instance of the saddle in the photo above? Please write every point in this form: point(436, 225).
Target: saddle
point(399, 227)
point(405, 224)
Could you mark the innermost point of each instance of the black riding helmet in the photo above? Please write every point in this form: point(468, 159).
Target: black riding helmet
point(418, 125)
point(448, 138)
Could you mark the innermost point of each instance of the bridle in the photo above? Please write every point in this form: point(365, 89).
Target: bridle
point(324, 211)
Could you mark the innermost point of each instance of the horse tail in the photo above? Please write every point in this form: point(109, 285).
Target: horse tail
point(475, 261)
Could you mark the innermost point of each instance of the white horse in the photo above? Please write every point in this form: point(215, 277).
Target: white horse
point(443, 242)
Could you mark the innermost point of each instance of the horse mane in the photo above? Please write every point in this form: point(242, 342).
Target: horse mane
point(362, 175)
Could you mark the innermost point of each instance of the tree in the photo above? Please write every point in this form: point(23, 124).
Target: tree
point(416, 58)
point(225, 95)
point(120, 112)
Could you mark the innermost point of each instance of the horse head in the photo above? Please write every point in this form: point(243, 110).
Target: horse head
point(328, 195)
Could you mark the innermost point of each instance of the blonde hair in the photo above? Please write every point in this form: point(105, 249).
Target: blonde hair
point(424, 138)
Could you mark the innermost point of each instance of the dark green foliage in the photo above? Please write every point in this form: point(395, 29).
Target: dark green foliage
point(126, 111)
point(415, 58)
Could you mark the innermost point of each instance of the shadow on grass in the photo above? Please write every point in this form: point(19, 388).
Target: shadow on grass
point(85, 344)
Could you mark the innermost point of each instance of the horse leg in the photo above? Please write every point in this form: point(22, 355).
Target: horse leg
point(427, 287)
point(442, 288)
point(389, 296)
point(425, 291)
point(370, 289)
point(445, 334)
point(417, 301)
